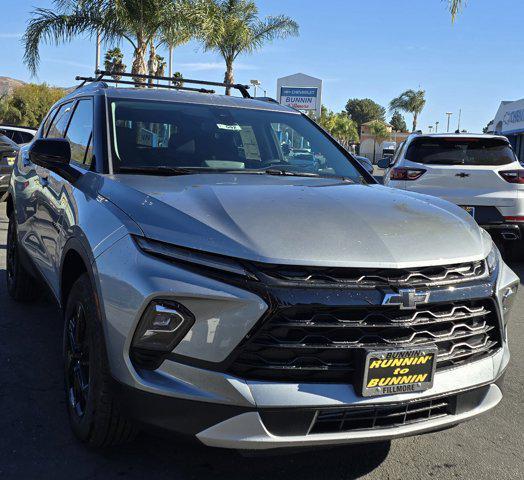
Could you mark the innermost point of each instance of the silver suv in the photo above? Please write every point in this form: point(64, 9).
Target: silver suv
point(215, 281)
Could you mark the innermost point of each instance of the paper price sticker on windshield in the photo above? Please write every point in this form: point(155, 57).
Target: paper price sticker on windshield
point(234, 127)
point(388, 372)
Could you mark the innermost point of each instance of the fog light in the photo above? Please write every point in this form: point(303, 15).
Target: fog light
point(162, 326)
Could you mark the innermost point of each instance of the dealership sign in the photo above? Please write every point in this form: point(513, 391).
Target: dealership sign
point(299, 97)
point(509, 119)
point(302, 92)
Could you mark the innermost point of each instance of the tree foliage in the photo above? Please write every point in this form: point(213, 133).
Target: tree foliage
point(139, 22)
point(29, 104)
point(454, 7)
point(114, 62)
point(379, 130)
point(410, 101)
point(397, 122)
point(364, 110)
point(339, 125)
point(233, 27)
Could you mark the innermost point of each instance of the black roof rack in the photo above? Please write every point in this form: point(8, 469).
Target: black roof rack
point(103, 74)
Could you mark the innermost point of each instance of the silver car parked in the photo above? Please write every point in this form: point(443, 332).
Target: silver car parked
point(210, 285)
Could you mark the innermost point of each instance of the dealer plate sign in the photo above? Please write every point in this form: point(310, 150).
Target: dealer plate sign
point(301, 98)
point(387, 372)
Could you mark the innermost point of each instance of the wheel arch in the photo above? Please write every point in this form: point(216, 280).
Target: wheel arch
point(75, 262)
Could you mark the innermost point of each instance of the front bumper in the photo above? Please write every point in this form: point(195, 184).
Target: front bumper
point(221, 409)
point(260, 416)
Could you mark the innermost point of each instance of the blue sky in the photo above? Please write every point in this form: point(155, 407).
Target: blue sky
point(374, 48)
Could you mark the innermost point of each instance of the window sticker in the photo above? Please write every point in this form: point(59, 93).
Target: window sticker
point(249, 140)
point(233, 128)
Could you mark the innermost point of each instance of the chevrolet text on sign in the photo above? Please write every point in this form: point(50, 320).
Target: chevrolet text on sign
point(299, 98)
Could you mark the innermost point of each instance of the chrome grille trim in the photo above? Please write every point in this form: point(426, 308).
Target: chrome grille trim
point(319, 343)
point(371, 278)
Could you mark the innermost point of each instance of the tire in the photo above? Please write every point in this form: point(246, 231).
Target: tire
point(94, 415)
point(21, 285)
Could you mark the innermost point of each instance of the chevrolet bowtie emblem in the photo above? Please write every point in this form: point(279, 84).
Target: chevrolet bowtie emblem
point(406, 298)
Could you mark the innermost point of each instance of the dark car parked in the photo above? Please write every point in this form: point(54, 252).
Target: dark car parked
point(8, 152)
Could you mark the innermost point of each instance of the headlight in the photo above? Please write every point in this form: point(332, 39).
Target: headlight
point(493, 258)
point(195, 257)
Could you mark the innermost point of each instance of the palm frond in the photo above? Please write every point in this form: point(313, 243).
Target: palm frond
point(455, 6)
point(46, 26)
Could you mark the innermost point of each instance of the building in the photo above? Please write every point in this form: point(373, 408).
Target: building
point(509, 121)
point(374, 150)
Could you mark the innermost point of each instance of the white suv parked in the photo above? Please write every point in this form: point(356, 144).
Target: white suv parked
point(480, 173)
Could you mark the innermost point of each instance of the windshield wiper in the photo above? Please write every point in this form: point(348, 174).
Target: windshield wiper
point(158, 170)
point(289, 173)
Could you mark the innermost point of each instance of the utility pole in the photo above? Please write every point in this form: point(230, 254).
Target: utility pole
point(430, 128)
point(449, 116)
point(460, 116)
point(97, 61)
point(436, 126)
point(255, 83)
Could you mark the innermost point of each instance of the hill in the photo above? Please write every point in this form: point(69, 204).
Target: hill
point(7, 85)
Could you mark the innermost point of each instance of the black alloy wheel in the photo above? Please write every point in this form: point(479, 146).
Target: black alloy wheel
point(77, 361)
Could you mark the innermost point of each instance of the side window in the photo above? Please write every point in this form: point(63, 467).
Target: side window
point(80, 131)
point(25, 137)
point(59, 124)
point(47, 122)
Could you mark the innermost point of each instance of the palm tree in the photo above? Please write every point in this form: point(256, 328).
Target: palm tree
point(136, 21)
point(410, 101)
point(233, 27)
point(380, 133)
point(113, 62)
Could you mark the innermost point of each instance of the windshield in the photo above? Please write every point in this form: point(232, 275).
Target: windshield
point(460, 151)
point(163, 136)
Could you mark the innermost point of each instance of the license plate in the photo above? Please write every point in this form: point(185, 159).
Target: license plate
point(388, 372)
point(10, 160)
point(470, 210)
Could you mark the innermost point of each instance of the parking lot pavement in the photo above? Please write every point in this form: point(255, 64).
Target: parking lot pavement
point(36, 443)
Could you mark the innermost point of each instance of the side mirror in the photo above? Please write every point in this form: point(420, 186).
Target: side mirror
point(50, 153)
point(384, 162)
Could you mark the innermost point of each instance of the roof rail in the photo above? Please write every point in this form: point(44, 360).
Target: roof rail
point(103, 74)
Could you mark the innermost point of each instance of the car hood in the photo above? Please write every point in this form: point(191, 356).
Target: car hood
point(298, 221)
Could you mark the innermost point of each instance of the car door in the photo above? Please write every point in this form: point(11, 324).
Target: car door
point(47, 218)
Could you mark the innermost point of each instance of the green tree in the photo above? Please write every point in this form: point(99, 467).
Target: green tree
point(379, 130)
point(176, 81)
point(137, 21)
point(233, 27)
point(397, 122)
point(339, 125)
point(29, 104)
point(363, 110)
point(410, 101)
point(113, 62)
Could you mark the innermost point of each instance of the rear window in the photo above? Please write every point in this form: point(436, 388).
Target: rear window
point(460, 151)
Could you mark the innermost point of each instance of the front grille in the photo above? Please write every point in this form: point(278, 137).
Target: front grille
point(385, 416)
point(326, 344)
point(372, 278)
